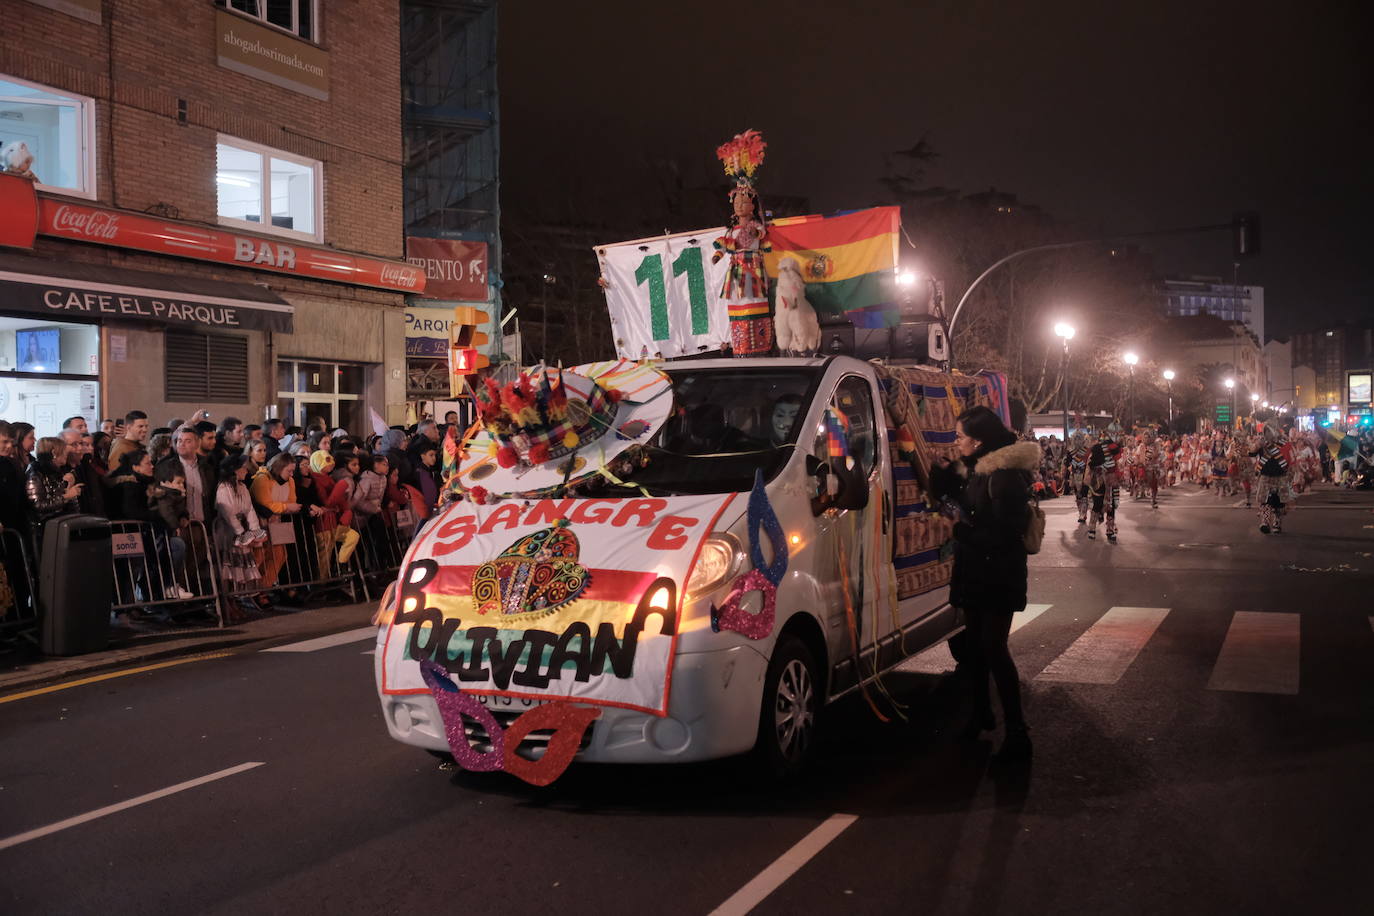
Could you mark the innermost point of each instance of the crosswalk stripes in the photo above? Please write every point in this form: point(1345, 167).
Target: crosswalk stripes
point(937, 660)
point(1260, 654)
point(1106, 650)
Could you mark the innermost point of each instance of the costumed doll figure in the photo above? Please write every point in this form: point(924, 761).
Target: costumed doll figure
point(1075, 466)
point(1106, 482)
point(1275, 460)
point(746, 285)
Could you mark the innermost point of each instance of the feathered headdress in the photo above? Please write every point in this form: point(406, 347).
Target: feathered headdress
point(742, 156)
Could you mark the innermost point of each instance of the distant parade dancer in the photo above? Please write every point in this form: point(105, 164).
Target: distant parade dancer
point(1275, 458)
point(1244, 467)
point(1221, 468)
point(1075, 467)
point(1151, 461)
point(1105, 483)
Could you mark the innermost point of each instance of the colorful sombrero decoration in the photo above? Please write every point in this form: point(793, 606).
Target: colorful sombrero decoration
point(533, 577)
point(553, 427)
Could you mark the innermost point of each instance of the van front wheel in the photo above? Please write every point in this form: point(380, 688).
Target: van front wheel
point(787, 719)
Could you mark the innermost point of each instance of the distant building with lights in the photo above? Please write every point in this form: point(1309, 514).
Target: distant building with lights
point(1191, 296)
point(1341, 358)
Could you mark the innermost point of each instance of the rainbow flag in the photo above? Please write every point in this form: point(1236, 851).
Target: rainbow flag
point(848, 261)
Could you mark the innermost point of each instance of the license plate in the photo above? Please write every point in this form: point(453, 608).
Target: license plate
point(495, 702)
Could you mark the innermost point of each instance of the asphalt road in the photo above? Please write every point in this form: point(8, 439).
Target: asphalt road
point(1199, 694)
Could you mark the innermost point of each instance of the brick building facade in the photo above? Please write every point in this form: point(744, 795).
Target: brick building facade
point(172, 126)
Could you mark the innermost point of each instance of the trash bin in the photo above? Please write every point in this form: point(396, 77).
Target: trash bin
point(75, 580)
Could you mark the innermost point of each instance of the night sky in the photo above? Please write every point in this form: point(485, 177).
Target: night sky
point(1110, 117)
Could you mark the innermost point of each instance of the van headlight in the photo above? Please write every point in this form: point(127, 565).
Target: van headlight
point(719, 559)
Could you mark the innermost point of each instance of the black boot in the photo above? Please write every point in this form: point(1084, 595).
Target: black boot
point(1016, 747)
point(981, 722)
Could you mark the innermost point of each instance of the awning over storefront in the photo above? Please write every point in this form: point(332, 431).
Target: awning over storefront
point(75, 290)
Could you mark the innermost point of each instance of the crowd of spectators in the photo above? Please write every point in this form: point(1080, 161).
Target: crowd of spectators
point(233, 484)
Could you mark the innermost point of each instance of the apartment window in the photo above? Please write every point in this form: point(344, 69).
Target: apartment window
point(201, 368)
point(54, 131)
point(295, 16)
point(268, 190)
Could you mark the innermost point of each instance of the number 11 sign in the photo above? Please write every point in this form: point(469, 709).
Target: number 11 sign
point(663, 295)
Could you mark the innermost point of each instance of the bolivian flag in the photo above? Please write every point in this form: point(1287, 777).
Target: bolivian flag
point(848, 261)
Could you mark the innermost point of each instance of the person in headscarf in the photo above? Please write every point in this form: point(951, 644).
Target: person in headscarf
point(334, 526)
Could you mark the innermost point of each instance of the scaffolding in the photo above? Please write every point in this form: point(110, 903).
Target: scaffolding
point(451, 123)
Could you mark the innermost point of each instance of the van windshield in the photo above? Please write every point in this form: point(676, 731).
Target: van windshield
point(725, 424)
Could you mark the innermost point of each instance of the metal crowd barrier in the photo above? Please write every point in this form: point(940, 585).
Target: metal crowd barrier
point(18, 598)
point(300, 554)
point(160, 569)
point(382, 543)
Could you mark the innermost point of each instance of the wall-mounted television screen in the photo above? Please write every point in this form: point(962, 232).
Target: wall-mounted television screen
point(38, 349)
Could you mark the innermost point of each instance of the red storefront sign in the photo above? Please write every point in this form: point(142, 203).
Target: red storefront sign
point(18, 212)
point(453, 269)
point(122, 229)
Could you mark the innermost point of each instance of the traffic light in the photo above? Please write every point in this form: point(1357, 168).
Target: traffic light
point(463, 341)
point(1245, 234)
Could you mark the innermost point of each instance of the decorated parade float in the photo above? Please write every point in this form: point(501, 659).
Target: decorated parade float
point(660, 559)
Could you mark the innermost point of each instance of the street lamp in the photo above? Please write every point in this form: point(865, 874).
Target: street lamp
point(906, 278)
point(1230, 384)
point(1130, 359)
point(1169, 383)
point(1254, 399)
point(1066, 331)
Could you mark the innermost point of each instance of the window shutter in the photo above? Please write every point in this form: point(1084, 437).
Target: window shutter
point(206, 367)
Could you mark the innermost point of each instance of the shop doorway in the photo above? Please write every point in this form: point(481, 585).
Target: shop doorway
point(310, 392)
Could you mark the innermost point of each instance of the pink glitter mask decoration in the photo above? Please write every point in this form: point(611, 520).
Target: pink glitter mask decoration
point(569, 724)
point(731, 616)
point(763, 578)
point(453, 705)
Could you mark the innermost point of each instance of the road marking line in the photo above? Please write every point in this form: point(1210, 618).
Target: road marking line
point(113, 674)
point(325, 642)
point(1106, 650)
point(787, 865)
point(1260, 655)
point(938, 660)
point(124, 805)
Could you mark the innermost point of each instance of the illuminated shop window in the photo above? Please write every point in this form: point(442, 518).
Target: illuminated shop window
point(49, 134)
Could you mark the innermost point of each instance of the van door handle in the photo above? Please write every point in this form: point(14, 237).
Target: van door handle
point(887, 510)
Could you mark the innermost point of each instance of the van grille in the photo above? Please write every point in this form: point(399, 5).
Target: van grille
point(534, 745)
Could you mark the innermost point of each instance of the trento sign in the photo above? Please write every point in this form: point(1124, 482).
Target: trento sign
point(103, 226)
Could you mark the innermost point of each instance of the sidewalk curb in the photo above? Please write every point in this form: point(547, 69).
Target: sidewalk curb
point(210, 644)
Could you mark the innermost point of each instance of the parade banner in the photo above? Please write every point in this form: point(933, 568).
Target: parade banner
point(555, 599)
point(664, 298)
point(663, 295)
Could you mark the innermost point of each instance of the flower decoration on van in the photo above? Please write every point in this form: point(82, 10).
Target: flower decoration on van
point(551, 429)
point(533, 577)
point(535, 421)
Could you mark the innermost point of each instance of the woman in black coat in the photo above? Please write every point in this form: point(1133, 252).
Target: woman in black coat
point(988, 490)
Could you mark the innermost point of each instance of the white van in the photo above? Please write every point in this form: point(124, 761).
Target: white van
point(768, 559)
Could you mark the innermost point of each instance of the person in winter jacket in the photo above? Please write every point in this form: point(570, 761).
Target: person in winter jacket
point(134, 497)
point(369, 490)
point(989, 489)
point(52, 488)
point(392, 444)
point(274, 491)
point(335, 525)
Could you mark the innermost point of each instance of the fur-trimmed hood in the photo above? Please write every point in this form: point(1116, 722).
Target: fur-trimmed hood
point(1019, 456)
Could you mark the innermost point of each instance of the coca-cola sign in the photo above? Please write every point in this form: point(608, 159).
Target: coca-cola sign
point(104, 226)
point(88, 222)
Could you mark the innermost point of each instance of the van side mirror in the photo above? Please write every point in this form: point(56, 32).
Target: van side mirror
point(837, 486)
